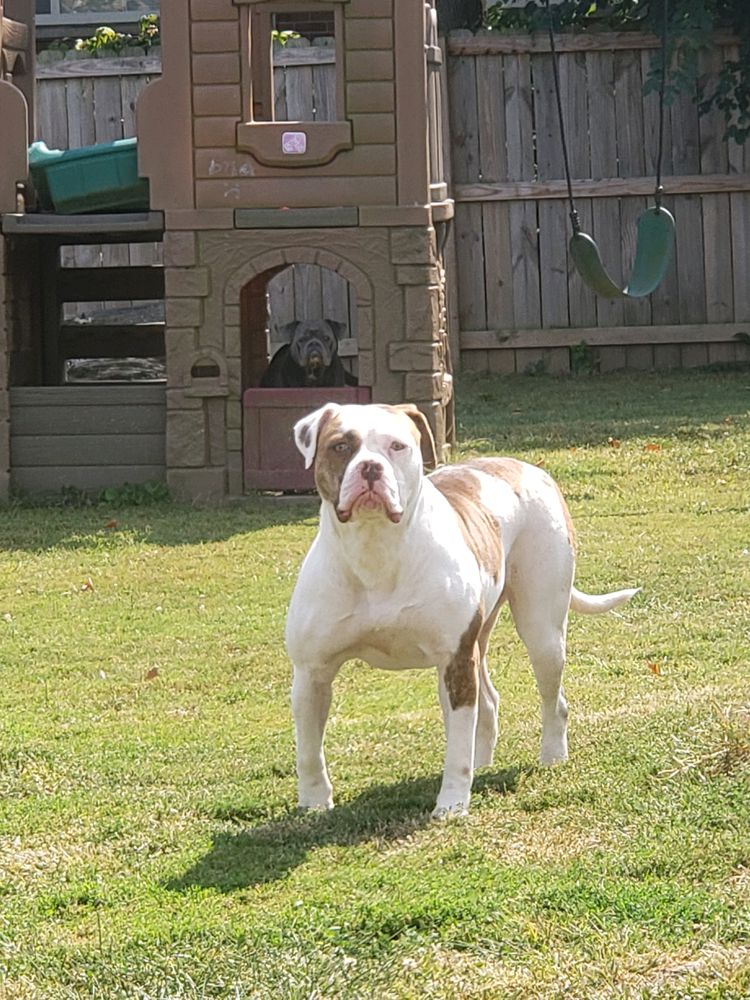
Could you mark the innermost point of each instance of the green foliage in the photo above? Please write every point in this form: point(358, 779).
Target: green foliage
point(691, 23)
point(107, 41)
point(127, 495)
point(282, 37)
point(134, 494)
point(583, 359)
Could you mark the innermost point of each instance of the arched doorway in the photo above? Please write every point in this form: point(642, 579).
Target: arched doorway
point(305, 284)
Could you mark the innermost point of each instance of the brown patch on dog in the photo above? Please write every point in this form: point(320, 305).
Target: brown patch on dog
point(461, 680)
point(510, 470)
point(335, 450)
point(422, 432)
point(305, 436)
point(480, 529)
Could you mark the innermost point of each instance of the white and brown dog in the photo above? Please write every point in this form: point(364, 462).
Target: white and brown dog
point(409, 570)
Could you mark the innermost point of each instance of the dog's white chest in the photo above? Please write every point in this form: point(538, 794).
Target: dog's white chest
point(397, 638)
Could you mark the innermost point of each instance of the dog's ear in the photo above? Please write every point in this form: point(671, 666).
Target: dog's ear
point(288, 330)
point(339, 329)
point(307, 430)
point(426, 440)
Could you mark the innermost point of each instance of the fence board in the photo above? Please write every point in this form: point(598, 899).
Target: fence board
point(466, 165)
point(740, 212)
point(717, 258)
point(527, 302)
point(691, 275)
point(499, 265)
point(490, 84)
point(519, 99)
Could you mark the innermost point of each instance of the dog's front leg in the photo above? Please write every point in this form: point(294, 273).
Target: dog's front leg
point(311, 701)
point(458, 698)
point(458, 773)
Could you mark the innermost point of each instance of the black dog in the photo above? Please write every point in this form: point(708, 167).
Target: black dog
point(310, 359)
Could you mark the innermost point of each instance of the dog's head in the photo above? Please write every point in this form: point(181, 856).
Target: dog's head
point(368, 459)
point(313, 344)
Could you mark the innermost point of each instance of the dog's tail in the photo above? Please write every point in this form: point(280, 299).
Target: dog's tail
point(596, 604)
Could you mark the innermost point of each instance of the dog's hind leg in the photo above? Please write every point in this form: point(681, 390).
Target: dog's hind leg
point(486, 735)
point(311, 701)
point(540, 614)
point(489, 700)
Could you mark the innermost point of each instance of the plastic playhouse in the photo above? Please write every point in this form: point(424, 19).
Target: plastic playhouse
point(237, 195)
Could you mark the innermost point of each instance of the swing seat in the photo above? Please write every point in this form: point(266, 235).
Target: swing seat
point(654, 247)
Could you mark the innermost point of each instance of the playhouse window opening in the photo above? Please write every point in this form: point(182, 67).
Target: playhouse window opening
point(311, 25)
point(115, 312)
point(309, 292)
point(85, 12)
point(295, 71)
point(82, 371)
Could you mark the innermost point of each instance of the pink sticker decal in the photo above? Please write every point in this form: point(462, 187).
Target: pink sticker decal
point(293, 142)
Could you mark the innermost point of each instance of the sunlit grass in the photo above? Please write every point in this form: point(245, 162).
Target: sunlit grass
point(149, 845)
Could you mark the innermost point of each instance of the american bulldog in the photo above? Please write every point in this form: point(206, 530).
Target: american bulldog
point(409, 570)
point(309, 359)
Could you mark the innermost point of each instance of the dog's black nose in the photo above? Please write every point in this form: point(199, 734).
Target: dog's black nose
point(371, 471)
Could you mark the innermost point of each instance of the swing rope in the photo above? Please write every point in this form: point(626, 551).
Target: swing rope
point(656, 227)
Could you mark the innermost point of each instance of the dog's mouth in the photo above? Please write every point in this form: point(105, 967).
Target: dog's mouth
point(314, 369)
point(367, 503)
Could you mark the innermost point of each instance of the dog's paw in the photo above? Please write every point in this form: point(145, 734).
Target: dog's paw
point(318, 799)
point(456, 810)
point(322, 808)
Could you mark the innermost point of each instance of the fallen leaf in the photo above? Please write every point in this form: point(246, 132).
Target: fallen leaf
point(614, 442)
point(153, 672)
point(652, 447)
point(88, 584)
point(654, 667)
point(111, 524)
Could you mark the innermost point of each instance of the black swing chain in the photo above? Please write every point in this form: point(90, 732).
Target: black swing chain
point(662, 92)
point(659, 191)
point(558, 94)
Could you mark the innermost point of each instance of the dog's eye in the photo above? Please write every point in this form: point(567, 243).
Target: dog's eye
point(340, 447)
point(398, 446)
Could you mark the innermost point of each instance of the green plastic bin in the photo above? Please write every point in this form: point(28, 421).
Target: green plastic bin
point(101, 178)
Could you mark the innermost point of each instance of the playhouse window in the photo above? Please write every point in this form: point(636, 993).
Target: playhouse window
point(294, 56)
point(87, 11)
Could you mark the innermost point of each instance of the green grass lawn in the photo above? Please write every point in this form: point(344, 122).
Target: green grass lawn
point(149, 845)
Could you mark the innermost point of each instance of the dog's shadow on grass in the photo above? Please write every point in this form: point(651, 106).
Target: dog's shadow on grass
point(265, 853)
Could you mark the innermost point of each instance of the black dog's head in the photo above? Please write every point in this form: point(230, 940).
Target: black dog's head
point(313, 344)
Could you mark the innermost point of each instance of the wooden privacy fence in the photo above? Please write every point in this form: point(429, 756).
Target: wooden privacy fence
point(521, 305)
point(519, 302)
point(87, 101)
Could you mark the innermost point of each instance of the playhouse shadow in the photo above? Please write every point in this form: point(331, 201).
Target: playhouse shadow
point(268, 852)
point(37, 528)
